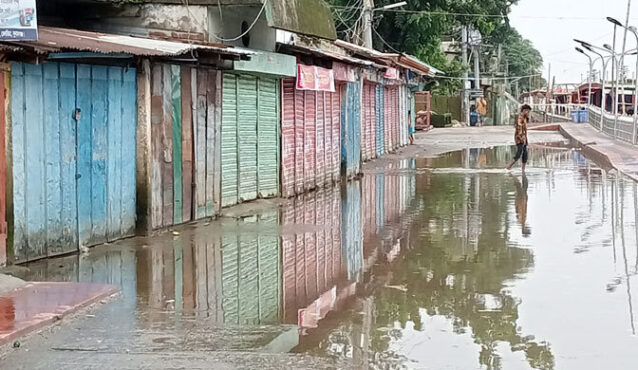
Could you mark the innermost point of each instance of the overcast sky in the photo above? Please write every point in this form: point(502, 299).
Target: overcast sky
point(552, 24)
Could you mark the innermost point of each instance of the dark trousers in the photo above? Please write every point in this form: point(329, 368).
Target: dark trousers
point(521, 152)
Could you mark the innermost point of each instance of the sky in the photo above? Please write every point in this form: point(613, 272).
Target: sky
point(553, 24)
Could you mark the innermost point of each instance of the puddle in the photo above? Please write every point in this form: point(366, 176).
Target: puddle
point(430, 263)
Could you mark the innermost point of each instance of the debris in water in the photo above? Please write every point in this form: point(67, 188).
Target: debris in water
point(175, 233)
point(397, 287)
point(16, 344)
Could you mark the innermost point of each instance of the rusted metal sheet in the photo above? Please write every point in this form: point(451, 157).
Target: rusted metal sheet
point(312, 259)
point(310, 135)
point(183, 143)
point(53, 39)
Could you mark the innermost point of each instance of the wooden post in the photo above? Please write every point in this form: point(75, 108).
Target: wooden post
point(144, 147)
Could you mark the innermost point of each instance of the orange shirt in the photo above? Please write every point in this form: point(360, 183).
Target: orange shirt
point(521, 130)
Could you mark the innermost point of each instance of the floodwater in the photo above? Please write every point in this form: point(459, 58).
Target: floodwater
point(447, 263)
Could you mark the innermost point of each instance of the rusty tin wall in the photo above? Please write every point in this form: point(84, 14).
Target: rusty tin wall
point(185, 119)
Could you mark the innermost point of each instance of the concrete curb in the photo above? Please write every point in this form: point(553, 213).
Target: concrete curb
point(42, 320)
point(597, 155)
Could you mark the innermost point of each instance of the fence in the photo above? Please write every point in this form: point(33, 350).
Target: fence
point(622, 129)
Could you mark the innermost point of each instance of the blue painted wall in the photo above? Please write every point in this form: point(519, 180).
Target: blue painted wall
point(74, 181)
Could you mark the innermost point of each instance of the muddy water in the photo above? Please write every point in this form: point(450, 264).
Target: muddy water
point(447, 263)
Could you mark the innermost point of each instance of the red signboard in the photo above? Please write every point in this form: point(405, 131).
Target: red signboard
point(391, 74)
point(315, 78)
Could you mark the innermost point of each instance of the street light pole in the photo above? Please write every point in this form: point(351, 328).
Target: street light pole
point(589, 76)
point(603, 103)
point(635, 96)
point(368, 18)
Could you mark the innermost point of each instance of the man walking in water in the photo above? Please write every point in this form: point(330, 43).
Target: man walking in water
point(520, 137)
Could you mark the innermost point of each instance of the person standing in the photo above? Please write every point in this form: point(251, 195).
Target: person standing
point(411, 128)
point(520, 137)
point(481, 107)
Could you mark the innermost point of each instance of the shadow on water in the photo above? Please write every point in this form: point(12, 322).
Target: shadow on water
point(436, 262)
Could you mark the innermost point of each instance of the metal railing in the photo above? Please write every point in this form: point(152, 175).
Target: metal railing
point(623, 129)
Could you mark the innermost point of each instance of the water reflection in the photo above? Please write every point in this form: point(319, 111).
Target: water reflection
point(445, 262)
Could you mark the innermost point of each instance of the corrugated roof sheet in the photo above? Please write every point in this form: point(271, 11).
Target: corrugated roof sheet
point(52, 39)
point(401, 60)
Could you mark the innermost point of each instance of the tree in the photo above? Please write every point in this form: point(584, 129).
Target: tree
point(420, 27)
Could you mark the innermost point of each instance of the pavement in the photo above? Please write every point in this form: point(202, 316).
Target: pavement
point(28, 307)
point(603, 149)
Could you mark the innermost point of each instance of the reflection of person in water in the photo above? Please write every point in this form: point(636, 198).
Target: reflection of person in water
point(521, 205)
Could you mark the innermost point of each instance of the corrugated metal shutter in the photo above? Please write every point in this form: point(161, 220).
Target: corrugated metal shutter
point(380, 120)
point(250, 138)
point(350, 129)
point(320, 151)
point(247, 108)
point(268, 136)
point(336, 135)
point(368, 122)
point(230, 141)
point(311, 122)
point(310, 137)
point(288, 144)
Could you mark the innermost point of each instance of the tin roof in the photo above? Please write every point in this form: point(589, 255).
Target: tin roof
point(53, 39)
point(323, 48)
point(401, 60)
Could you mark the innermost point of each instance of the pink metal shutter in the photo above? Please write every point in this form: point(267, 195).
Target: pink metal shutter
point(336, 135)
point(320, 169)
point(288, 138)
point(300, 115)
point(310, 139)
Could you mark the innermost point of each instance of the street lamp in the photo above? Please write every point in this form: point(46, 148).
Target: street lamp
point(603, 101)
point(368, 17)
point(591, 67)
point(392, 6)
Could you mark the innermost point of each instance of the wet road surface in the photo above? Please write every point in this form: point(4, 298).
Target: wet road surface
point(447, 263)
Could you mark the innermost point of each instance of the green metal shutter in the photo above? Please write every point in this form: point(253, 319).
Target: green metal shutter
point(247, 136)
point(268, 136)
point(230, 141)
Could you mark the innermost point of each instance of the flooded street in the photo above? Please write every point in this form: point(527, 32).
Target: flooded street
point(446, 263)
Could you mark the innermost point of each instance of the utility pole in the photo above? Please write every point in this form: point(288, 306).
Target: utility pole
point(477, 67)
point(549, 91)
point(465, 101)
point(622, 58)
point(368, 6)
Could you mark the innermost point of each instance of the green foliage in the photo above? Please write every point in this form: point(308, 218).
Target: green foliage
point(420, 27)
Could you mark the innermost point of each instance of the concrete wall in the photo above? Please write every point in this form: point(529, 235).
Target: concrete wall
point(173, 21)
point(228, 25)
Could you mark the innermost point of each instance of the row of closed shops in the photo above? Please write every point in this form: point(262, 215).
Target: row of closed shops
point(100, 151)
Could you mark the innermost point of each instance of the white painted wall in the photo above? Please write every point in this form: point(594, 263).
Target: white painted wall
point(228, 26)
